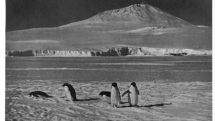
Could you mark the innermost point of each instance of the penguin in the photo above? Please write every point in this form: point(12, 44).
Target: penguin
point(69, 92)
point(105, 95)
point(115, 95)
point(39, 94)
point(133, 93)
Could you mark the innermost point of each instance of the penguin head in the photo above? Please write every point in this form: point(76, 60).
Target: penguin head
point(32, 94)
point(133, 84)
point(69, 86)
point(106, 93)
point(65, 84)
point(114, 84)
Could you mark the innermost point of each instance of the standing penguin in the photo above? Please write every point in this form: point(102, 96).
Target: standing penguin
point(115, 95)
point(69, 92)
point(132, 94)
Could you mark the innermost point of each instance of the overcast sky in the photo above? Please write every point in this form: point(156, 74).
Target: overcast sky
point(24, 14)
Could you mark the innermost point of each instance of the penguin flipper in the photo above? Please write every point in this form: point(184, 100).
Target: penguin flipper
point(138, 92)
point(125, 92)
point(35, 95)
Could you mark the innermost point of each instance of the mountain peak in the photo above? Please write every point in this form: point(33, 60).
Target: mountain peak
point(139, 6)
point(138, 13)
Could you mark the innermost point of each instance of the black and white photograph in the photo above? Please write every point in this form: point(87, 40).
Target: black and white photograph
point(108, 60)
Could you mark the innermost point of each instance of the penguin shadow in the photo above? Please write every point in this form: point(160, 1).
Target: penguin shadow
point(156, 105)
point(77, 100)
point(89, 99)
point(123, 102)
point(148, 106)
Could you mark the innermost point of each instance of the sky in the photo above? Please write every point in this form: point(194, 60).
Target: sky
point(25, 14)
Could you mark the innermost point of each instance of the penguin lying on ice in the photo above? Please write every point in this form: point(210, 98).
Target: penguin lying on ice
point(39, 94)
point(105, 93)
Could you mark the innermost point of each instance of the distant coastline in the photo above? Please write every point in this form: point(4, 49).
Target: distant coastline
point(120, 51)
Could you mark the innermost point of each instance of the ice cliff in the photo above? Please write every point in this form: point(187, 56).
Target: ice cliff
point(119, 51)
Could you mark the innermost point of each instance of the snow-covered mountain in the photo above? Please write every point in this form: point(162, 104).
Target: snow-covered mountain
point(144, 14)
point(139, 25)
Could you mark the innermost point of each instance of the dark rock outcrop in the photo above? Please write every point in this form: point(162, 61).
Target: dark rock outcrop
point(123, 51)
point(20, 53)
point(178, 54)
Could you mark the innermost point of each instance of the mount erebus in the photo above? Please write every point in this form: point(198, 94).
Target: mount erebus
point(139, 29)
